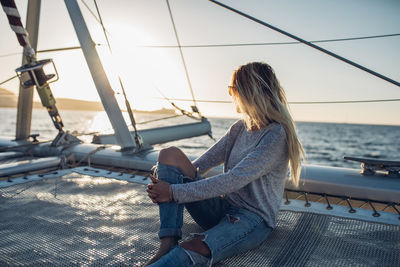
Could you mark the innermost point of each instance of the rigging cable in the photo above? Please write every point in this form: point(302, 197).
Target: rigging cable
point(308, 43)
point(94, 15)
point(273, 43)
point(140, 122)
point(62, 49)
point(222, 45)
point(160, 119)
point(9, 79)
point(11, 54)
point(300, 102)
point(47, 50)
point(184, 112)
point(194, 108)
point(128, 105)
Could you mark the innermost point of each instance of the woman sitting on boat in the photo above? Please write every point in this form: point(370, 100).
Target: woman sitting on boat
point(238, 208)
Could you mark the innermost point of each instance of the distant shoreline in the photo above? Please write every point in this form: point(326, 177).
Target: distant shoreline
point(157, 111)
point(9, 100)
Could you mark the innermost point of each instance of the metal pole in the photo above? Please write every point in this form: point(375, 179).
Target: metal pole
point(308, 43)
point(25, 96)
point(122, 134)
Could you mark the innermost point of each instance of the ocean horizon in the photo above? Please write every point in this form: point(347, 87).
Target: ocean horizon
point(325, 143)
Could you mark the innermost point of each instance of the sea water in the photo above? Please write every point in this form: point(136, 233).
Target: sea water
point(324, 143)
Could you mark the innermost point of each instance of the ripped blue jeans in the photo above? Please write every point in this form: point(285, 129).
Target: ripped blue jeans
point(229, 230)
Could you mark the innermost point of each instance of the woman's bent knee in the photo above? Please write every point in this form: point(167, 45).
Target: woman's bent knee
point(173, 156)
point(170, 155)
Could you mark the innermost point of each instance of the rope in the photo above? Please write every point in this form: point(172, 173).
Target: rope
point(344, 199)
point(14, 20)
point(90, 154)
point(309, 44)
point(274, 43)
point(181, 53)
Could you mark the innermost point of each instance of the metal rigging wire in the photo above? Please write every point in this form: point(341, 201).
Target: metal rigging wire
point(182, 57)
point(224, 45)
point(307, 43)
point(160, 119)
point(9, 79)
point(47, 50)
point(98, 19)
point(273, 43)
point(184, 112)
point(128, 105)
point(345, 101)
point(296, 102)
point(11, 54)
point(63, 48)
point(132, 118)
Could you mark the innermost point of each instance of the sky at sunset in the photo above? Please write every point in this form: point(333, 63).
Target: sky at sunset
point(305, 73)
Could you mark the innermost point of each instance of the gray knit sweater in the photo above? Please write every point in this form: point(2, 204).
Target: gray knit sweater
point(255, 169)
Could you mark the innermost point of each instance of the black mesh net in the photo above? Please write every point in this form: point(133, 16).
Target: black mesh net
point(83, 220)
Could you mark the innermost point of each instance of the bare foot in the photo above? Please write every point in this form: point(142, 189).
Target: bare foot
point(166, 244)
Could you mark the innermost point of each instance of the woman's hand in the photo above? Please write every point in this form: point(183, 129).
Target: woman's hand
point(159, 191)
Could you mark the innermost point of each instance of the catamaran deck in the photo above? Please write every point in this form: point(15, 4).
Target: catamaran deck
point(80, 219)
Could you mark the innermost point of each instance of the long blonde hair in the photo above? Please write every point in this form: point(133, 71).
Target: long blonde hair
point(260, 98)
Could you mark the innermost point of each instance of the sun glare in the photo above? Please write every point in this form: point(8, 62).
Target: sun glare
point(101, 123)
point(142, 70)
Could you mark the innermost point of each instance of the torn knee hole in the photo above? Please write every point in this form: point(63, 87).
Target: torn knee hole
point(197, 244)
point(232, 219)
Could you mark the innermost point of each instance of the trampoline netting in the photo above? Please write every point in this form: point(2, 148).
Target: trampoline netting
point(83, 220)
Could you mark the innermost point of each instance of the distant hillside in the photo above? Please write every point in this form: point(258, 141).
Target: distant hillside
point(158, 111)
point(74, 104)
point(9, 100)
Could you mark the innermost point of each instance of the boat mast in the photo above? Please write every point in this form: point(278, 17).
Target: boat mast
point(106, 93)
point(25, 96)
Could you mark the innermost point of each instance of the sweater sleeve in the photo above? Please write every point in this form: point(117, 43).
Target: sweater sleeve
point(215, 155)
point(271, 151)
